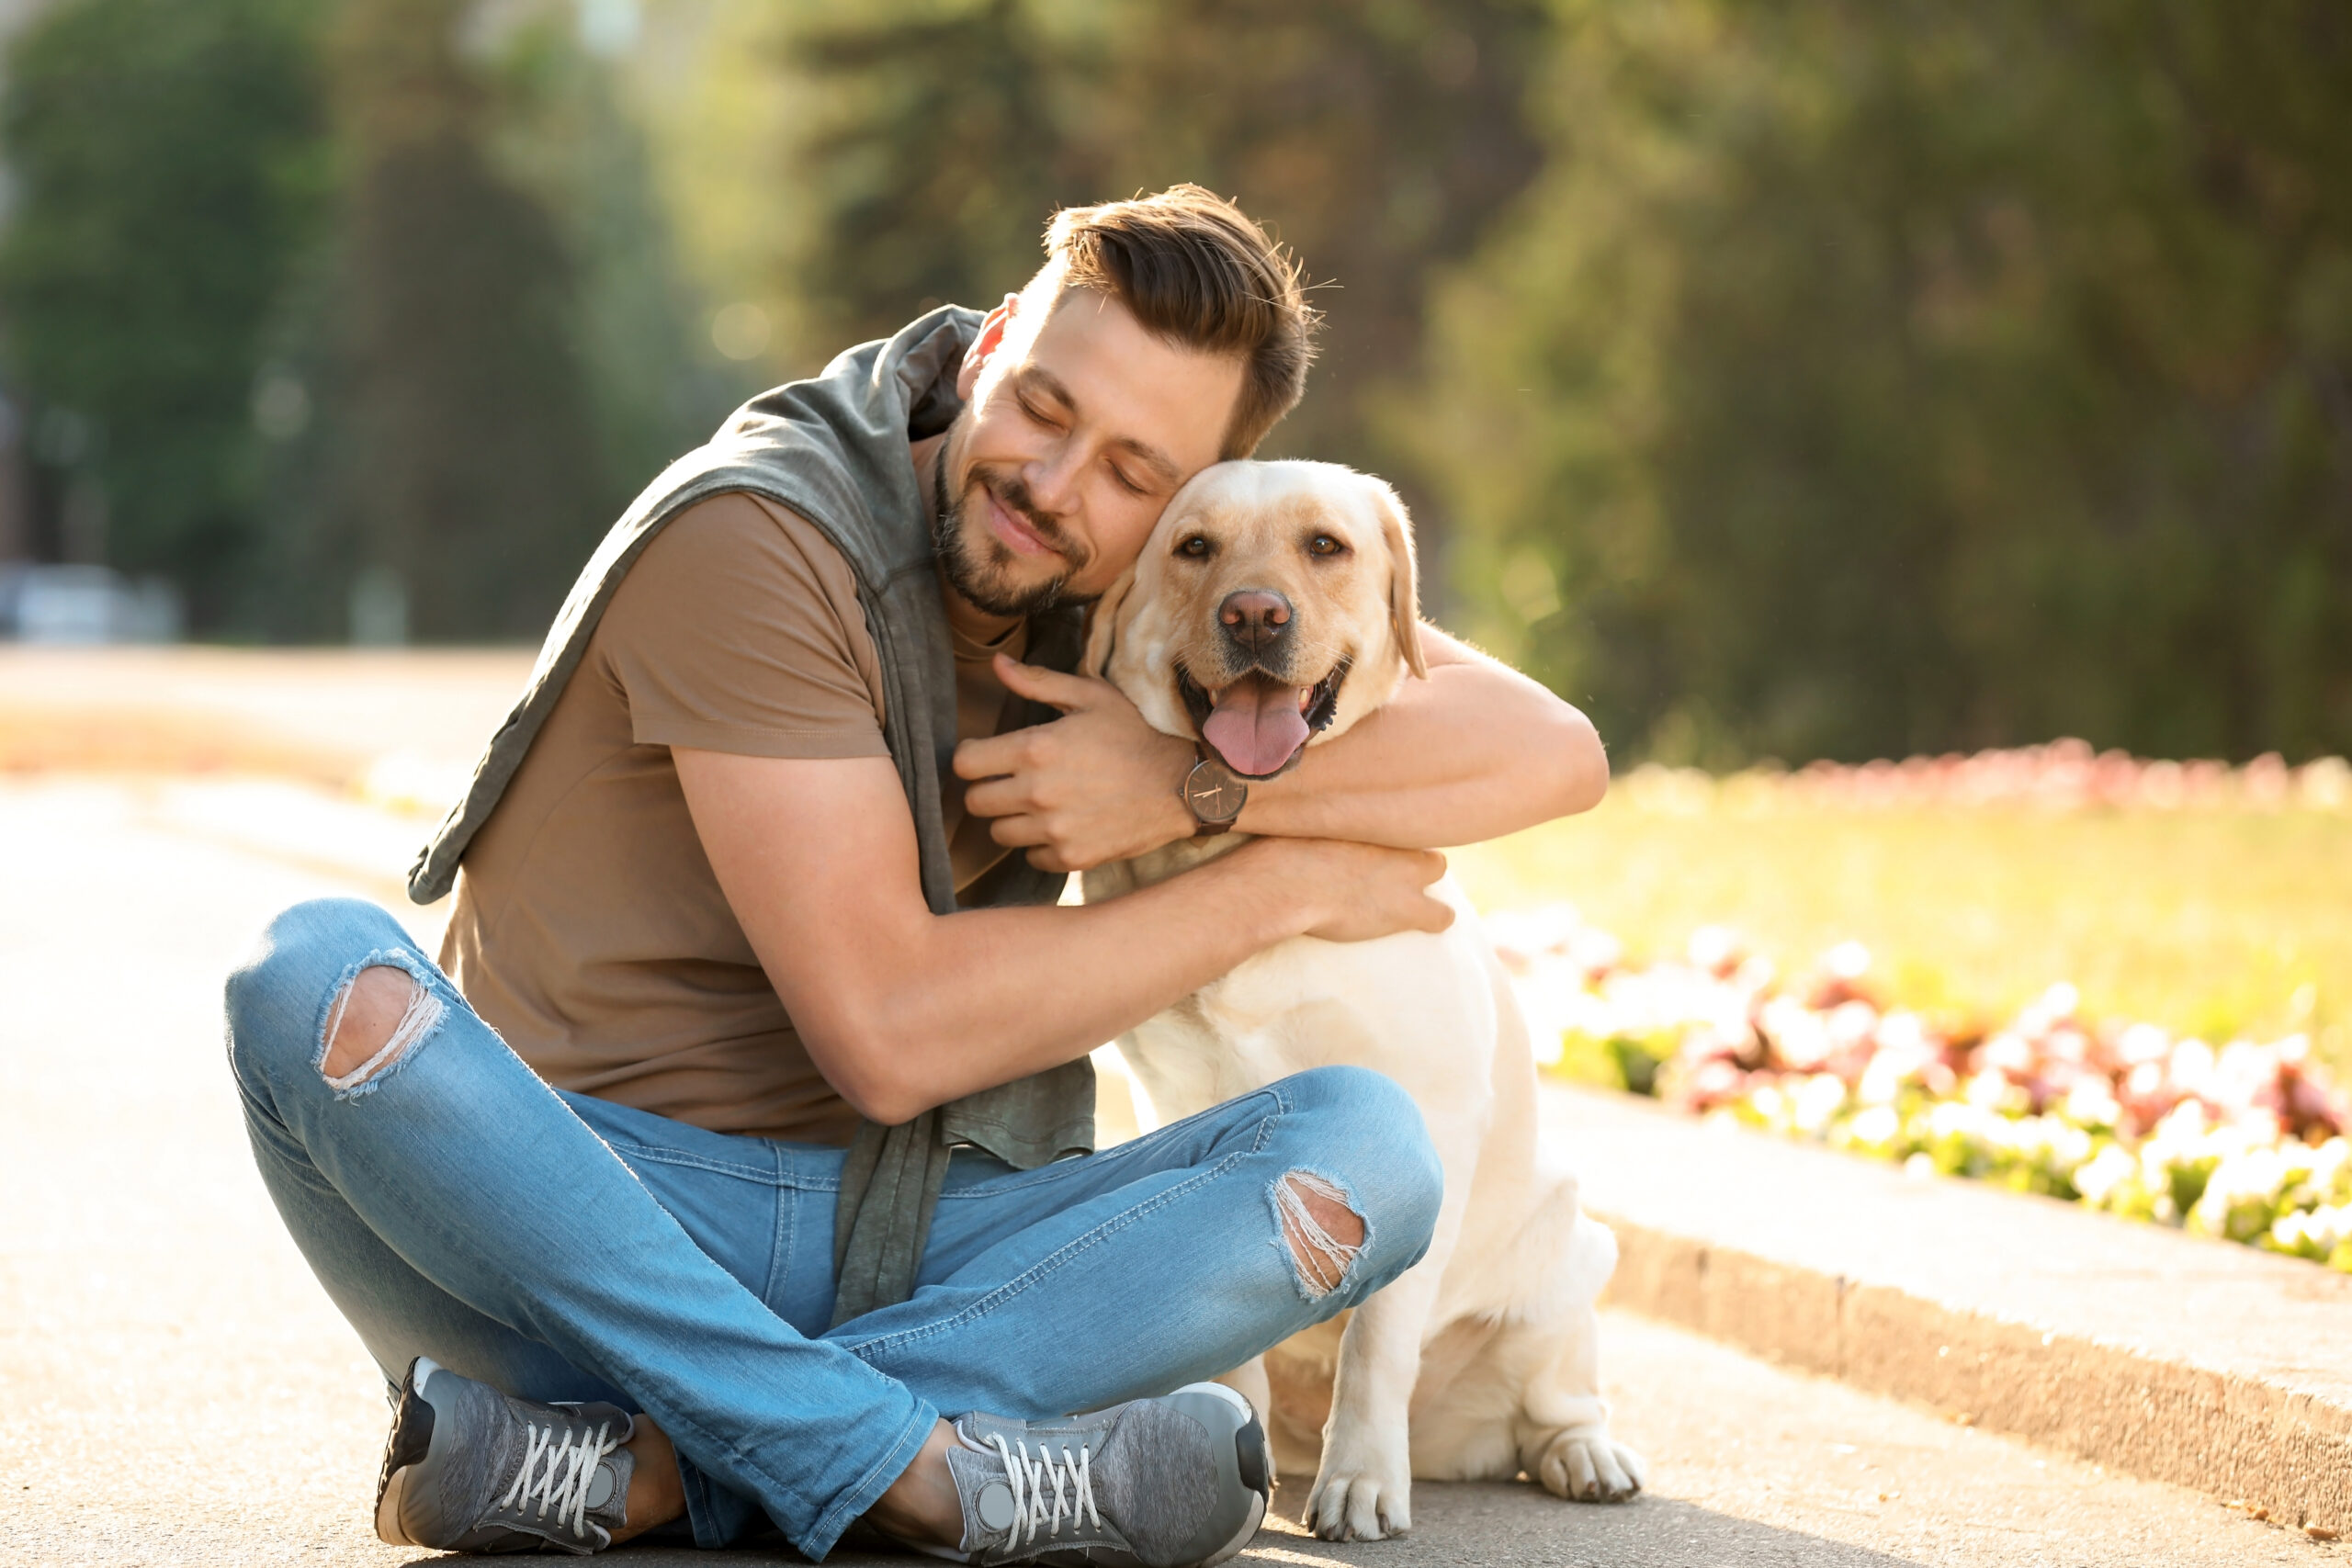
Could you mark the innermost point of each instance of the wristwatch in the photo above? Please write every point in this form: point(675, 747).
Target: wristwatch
point(1213, 794)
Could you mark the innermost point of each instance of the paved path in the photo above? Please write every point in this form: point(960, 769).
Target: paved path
point(174, 1388)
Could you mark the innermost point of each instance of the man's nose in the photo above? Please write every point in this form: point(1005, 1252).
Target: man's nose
point(1052, 481)
point(1255, 620)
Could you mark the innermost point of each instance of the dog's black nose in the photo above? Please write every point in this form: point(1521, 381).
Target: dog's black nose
point(1256, 619)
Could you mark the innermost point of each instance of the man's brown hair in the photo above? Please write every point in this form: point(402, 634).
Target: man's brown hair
point(1195, 270)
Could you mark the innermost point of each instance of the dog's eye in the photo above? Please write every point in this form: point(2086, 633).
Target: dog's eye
point(1325, 545)
point(1197, 548)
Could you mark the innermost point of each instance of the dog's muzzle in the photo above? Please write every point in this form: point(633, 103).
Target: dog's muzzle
point(1258, 724)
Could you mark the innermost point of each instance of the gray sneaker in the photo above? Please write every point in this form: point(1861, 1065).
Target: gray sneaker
point(1171, 1483)
point(468, 1468)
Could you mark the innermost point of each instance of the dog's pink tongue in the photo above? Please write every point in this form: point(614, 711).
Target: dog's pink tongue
point(1256, 726)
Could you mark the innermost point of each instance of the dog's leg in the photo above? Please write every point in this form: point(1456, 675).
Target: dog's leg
point(1563, 1438)
point(1363, 1487)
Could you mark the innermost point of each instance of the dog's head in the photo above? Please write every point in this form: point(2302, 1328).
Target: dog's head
point(1273, 605)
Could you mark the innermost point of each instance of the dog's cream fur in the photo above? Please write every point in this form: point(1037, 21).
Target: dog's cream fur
point(1481, 1361)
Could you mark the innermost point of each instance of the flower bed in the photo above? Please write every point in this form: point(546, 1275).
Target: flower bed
point(2246, 1143)
point(2063, 776)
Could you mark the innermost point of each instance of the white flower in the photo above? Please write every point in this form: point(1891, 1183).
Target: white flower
point(1875, 1127)
point(1717, 949)
point(2144, 1043)
point(1993, 1092)
point(1850, 1023)
point(1817, 1104)
point(2106, 1170)
point(2192, 1068)
point(1799, 1038)
point(2091, 1103)
point(1848, 961)
point(1519, 935)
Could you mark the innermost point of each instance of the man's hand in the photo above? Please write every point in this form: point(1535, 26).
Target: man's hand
point(1369, 891)
point(1094, 785)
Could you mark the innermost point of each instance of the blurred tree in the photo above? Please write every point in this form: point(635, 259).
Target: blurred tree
point(561, 129)
point(1376, 139)
point(1867, 378)
point(937, 140)
point(466, 463)
point(171, 166)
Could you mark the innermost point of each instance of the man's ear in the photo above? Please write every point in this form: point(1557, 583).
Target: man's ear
point(1404, 579)
point(984, 347)
point(1101, 626)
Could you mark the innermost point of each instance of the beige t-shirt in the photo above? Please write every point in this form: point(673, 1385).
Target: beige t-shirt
point(589, 930)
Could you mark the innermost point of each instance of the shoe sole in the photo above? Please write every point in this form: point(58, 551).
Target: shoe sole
point(411, 1437)
point(1252, 1432)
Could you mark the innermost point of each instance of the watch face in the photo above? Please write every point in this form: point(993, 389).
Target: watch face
point(1213, 794)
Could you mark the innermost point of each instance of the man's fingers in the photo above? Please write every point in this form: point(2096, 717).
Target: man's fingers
point(996, 796)
point(1040, 684)
point(1019, 832)
point(992, 757)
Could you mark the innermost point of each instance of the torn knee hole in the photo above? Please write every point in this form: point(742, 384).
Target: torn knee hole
point(1322, 1232)
point(380, 1015)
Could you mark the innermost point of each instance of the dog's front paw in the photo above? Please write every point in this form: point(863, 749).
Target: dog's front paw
point(1362, 1493)
point(1587, 1465)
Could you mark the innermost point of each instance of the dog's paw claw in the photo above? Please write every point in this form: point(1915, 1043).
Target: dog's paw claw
point(1358, 1507)
point(1590, 1467)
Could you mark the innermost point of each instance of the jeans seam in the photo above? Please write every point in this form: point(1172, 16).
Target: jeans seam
point(1046, 1266)
point(655, 1155)
point(783, 1234)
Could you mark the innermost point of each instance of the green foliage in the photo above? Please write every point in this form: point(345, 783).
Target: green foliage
point(172, 166)
point(560, 129)
point(1811, 378)
point(449, 309)
point(467, 460)
point(1866, 379)
point(1377, 140)
point(944, 139)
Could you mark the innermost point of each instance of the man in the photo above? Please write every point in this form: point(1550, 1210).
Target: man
point(759, 881)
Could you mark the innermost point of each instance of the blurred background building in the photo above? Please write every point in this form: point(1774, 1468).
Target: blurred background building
point(1801, 379)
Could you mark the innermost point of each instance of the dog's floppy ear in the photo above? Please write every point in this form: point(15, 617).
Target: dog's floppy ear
point(1102, 625)
point(1404, 586)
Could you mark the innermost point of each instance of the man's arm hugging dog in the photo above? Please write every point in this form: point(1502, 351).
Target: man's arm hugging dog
point(729, 1168)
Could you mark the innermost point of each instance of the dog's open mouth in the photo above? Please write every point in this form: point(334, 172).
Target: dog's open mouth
point(1256, 726)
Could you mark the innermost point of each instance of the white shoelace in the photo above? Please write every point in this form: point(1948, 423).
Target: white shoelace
point(566, 1492)
point(1072, 1481)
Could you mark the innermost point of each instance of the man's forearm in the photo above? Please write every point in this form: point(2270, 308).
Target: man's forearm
point(975, 1019)
point(1474, 752)
point(902, 1010)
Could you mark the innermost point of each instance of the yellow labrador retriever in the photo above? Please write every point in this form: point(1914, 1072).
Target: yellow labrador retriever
point(1274, 608)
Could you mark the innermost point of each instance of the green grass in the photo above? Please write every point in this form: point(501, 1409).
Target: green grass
point(2216, 923)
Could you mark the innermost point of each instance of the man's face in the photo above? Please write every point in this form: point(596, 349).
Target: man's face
point(1076, 433)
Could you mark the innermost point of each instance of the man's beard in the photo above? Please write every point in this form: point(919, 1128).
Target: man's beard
point(977, 566)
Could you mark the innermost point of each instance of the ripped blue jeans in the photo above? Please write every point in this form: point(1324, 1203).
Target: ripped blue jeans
point(561, 1248)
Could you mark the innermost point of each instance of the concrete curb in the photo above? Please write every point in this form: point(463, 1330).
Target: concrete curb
point(2196, 1362)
